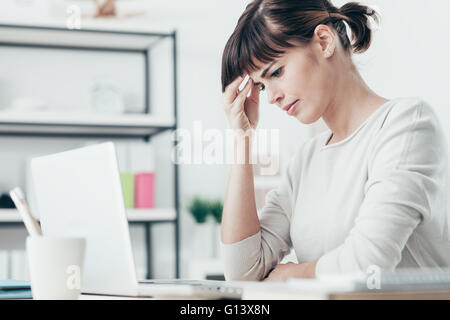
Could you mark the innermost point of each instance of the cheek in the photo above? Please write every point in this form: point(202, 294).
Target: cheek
point(304, 80)
point(314, 100)
point(316, 86)
point(297, 84)
point(308, 81)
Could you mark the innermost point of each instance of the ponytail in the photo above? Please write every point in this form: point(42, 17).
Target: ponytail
point(358, 18)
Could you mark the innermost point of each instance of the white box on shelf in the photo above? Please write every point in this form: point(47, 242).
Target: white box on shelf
point(142, 157)
point(4, 265)
point(19, 265)
point(123, 156)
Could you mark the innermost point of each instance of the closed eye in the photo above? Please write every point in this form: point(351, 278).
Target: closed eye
point(275, 74)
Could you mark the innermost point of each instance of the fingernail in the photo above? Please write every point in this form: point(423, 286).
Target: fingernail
point(244, 83)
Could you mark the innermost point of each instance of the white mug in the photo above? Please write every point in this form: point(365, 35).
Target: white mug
point(56, 266)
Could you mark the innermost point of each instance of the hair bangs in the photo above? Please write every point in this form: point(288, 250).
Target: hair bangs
point(254, 43)
point(267, 28)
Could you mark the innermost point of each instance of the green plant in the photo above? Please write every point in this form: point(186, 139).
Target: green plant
point(199, 209)
point(202, 208)
point(216, 208)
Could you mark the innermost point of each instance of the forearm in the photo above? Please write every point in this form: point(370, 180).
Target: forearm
point(307, 270)
point(283, 272)
point(240, 219)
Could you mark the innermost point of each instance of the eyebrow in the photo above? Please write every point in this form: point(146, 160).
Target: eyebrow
point(263, 74)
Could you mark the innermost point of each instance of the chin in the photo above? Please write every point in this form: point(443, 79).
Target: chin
point(306, 118)
point(305, 121)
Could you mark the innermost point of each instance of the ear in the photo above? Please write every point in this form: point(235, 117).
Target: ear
point(325, 39)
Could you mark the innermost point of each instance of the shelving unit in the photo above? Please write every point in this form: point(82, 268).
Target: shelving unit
point(105, 38)
point(82, 125)
point(133, 215)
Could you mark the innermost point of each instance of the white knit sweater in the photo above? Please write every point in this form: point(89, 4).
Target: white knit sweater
point(378, 197)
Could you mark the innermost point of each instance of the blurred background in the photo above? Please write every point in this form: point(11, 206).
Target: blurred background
point(57, 98)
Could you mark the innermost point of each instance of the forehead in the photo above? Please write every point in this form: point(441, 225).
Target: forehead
point(291, 54)
point(261, 67)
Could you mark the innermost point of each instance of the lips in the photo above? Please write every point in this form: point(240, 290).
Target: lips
point(286, 108)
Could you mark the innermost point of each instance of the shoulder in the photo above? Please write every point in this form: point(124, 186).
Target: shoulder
point(410, 132)
point(408, 111)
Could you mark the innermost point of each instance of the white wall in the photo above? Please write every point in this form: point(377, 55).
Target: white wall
point(409, 57)
point(409, 54)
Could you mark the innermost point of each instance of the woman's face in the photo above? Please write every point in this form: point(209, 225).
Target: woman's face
point(302, 74)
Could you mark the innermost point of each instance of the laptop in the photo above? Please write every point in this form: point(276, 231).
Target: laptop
point(78, 193)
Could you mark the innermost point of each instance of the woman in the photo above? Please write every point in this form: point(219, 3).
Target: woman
point(370, 192)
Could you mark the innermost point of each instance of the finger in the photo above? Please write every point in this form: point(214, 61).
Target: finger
point(231, 90)
point(254, 96)
point(243, 83)
point(251, 106)
point(244, 93)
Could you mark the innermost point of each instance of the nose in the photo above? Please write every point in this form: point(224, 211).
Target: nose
point(274, 96)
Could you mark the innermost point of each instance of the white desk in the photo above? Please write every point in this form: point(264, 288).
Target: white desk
point(372, 295)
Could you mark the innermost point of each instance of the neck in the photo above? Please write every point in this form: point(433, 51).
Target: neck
point(346, 112)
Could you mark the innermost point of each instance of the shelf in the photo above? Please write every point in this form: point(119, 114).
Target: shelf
point(145, 215)
point(133, 215)
point(81, 124)
point(105, 35)
point(93, 34)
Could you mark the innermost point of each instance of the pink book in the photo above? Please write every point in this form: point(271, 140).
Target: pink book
point(144, 190)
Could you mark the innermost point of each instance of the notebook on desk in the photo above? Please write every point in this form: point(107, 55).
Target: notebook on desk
point(15, 289)
point(78, 193)
point(418, 280)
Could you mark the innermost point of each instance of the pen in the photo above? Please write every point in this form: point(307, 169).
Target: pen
point(24, 209)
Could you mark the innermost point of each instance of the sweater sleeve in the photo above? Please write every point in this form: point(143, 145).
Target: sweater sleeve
point(404, 164)
point(252, 258)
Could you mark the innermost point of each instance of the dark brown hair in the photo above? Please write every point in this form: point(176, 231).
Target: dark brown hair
point(268, 27)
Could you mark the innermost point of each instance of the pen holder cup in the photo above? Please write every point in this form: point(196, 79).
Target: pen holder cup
point(55, 266)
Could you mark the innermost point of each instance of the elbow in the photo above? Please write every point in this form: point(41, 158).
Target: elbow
point(233, 276)
point(244, 268)
point(254, 273)
point(245, 260)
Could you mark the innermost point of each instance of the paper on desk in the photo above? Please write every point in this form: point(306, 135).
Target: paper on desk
point(328, 285)
point(313, 289)
point(278, 291)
